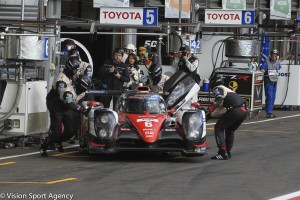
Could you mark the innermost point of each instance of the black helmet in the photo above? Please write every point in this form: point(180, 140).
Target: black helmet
point(61, 85)
point(119, 51)
point(155, 73)
point(69, 42)
point(82, 84)
point(73, 53)
point(71, 66)
point(68, 97)
point(184, 48)
point(216, 80)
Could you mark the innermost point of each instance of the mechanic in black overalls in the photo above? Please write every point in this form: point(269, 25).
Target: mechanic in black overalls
point(230, 106)
point(113, 75)
point(61, 103)
point(188, 63)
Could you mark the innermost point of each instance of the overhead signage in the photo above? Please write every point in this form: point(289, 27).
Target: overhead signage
point(280, 9)
point(172, 8)
point(234, 4)
point(129, 16)
point(110, 3)
point(235, 17)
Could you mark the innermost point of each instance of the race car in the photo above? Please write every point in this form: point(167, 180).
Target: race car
point(145, 121)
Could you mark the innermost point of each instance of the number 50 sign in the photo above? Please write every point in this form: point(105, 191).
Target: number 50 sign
point(129, 16)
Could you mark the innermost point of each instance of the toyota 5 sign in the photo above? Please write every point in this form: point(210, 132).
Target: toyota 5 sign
point(131, 16)
point(239, 17)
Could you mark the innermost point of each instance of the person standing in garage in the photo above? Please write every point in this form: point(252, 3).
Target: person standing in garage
point(185, 60)
point(114, 74)
point(230, 107)
point(270, 69)
point(188, 63)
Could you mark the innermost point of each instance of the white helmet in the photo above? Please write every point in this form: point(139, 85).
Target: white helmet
point(131, 47)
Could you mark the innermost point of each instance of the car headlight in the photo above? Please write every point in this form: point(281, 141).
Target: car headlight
point(103, 133)
point(192, 124)
point(104, 123)
point(104, 119)
point(194, 134)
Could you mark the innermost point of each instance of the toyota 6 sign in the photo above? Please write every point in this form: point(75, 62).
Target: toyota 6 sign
point(240, 17)
point(131, 16)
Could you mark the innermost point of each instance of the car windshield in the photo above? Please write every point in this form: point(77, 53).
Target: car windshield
point(153, 105)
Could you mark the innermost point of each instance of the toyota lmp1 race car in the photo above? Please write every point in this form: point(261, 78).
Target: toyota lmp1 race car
point(145, 121)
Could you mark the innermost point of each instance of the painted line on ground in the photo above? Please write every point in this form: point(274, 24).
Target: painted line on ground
point(66, 153)
point(261, 121)
point(7, 163)
point(33, 153)
point(259, 131)
point(265, 131)
point(41, 183)
point(291, 196)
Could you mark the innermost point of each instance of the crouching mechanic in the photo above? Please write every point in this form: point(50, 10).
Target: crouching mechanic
point(64, 112)
point(230, 106)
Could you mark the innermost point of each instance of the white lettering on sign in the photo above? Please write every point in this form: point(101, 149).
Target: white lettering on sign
point(151, 43)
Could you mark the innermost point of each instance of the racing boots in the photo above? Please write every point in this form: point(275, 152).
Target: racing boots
point(222, 155)
point(60, 148)
point(228, 154)
point(44, 147)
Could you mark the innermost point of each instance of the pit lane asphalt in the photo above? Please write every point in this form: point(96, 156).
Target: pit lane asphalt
point(265, 164)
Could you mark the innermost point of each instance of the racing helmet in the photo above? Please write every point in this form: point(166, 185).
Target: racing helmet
point(82, 84)
point(70, 44)
point(71, 67)
point(184, 48)
point(142, 51)
point(275, 51)
point(155, 73)
point(68, 97)
point(131, 47)
point(216, 80)
point(60, 85)
point(74, 54)
point(119, 51)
